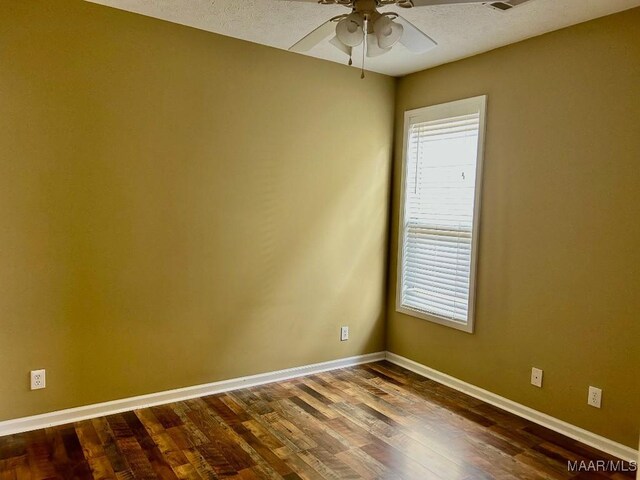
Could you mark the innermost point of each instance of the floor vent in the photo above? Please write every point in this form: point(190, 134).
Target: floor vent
point(506, 5)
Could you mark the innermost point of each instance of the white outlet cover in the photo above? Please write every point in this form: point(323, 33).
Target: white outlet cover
point(536, 377)
point(595, 397)
point(38, 379)
point(344, 334)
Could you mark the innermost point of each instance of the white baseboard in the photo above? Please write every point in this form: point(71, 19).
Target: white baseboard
point(601, 443)
point(77, 414)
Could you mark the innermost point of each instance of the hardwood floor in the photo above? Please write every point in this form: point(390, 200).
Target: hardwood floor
point(371, 421)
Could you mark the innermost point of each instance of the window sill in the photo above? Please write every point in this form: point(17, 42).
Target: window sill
point(464, 327)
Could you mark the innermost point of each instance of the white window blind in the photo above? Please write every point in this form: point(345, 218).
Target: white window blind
point(439, 215)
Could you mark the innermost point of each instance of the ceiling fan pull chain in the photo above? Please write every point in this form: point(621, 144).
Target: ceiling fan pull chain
point(364, 43)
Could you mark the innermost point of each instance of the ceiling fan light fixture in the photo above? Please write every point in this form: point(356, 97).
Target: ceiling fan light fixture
point(335, 41)
point(349, 30)
point(387, 32)
point(373, 47)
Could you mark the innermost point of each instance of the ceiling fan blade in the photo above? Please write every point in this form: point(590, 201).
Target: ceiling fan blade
point(314, 38)
point(341, 46)
point(415, 39)
point(429, 3)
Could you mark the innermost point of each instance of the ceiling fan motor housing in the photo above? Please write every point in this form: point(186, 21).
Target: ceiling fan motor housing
point(377, 3)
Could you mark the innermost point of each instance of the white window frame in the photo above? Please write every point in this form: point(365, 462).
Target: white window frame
point(445, 110)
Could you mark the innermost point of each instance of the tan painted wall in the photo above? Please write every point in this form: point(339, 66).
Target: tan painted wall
point(178, 207)
point(559, 258)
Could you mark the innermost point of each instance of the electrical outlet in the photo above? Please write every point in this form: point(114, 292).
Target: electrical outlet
point(344, 334)
point(595, 397)
point(38, 379)
point(536, 377)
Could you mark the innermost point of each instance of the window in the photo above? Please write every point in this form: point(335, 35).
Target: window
point(439, 215)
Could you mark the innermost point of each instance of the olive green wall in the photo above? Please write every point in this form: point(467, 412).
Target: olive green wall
point(558, 284)
point(178, 207)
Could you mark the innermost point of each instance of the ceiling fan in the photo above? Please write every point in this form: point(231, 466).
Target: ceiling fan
point(377, 32)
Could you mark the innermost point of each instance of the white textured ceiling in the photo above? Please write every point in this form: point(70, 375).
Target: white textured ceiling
point(460, 30)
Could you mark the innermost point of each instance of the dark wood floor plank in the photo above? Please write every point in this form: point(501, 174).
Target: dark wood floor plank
point(373, 421)
point(155, 456)
point(353, 433)
point(291, 435)
point(392, 413)
point(299, 466)
point(219, 437)
point(314, 462)
point(362, 418)
point(432, 459)
point(311, 427)
point(223, 410)
point(76, 466)
point(399, 463)
point(89, 440)
point(319, 385)
point(186, 435)
point(264, 456)
point(166, 415)
point(101, 468)
point(309, 389)
point(21, 468)
point(39, 457)
point(118, 461)
point(242, 447)
point(365, 465)
point(138, 461)
point(200, 464)
point(8, 470)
